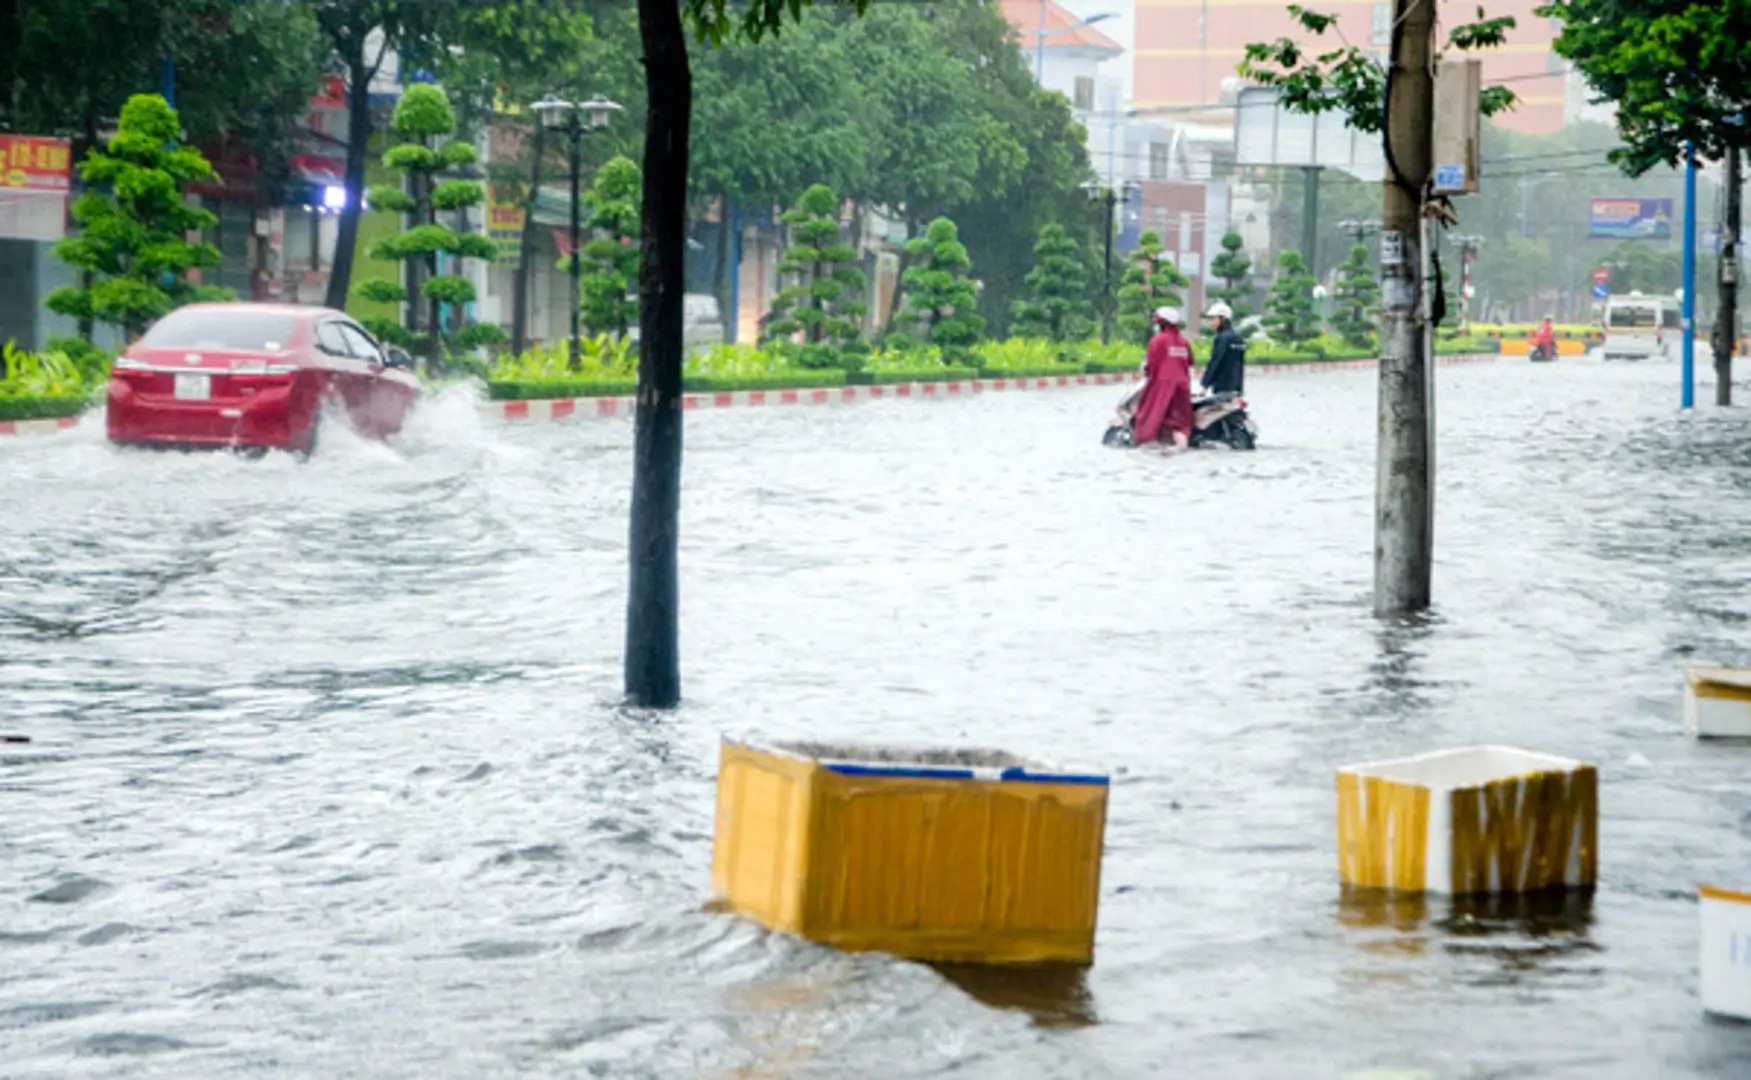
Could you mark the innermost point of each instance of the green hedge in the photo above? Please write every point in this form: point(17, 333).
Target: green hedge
point(44, 407)
point(896, 376)
point(1033, 371)
point(545, 389)
point(1115, 367)
point(784, 380)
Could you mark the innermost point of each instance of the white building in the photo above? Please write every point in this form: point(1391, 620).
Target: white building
point(1069, 53)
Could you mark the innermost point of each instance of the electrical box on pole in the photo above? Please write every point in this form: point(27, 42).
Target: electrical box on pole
point(1458, 92)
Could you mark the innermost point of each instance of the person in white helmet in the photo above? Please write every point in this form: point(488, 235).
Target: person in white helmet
point(1164, 412)
point(1226, 371)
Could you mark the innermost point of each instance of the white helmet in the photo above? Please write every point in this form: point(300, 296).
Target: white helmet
point(1219, 310)
point(1169, 316)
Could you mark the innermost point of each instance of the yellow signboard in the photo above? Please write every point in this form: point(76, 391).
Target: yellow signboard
point(505, 217)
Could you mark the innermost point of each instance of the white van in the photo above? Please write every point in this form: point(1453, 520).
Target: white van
point(1641, 327)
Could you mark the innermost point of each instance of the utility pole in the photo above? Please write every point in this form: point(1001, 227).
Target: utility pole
point(1403, 493)
point(1310, 220)
point(1468, 246)
point(1726, 335)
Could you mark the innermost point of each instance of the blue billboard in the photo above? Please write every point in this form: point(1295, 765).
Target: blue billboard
point(1630, 219)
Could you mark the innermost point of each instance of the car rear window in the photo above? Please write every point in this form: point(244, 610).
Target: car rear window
point(1631, 318)
point(248, 331)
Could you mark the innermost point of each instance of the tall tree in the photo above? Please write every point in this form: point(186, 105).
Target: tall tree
point(1289, 307)
point(1151, 281)
point(941, 298)
point(653, 674)
point(134, 225)
point(1355, 298)
point(1057, 306)
point(362, 33)
point(425, 121)
point(610, 256)
point(824, 301)
point(1234, 267)
point(1680, 74)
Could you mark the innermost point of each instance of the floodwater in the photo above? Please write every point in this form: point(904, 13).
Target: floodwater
point(328, 776)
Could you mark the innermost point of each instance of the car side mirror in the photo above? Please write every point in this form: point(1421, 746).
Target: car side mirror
point(398, 358)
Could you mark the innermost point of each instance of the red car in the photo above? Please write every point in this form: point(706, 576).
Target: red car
point(255, 376)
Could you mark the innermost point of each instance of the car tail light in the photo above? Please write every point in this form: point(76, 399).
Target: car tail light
point(127, 363)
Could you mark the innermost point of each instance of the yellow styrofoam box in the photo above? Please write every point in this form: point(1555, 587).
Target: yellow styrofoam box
point(1726, 951)
point(971, 856)
point(1523, 347)
point(1717, 702)
point(1485, 819)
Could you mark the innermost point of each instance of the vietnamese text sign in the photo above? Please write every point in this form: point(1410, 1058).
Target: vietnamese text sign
point(34, 184)
point(504, 223)
point(36, 164)
point(1630, 219)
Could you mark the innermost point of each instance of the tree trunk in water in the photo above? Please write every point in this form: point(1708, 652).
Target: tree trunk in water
point(653, 668)
point(1403, 494)
point(1726, 335)
point(340, 277)
point(520, 291)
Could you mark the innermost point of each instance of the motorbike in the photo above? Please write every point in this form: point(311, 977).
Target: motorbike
point(1543, 354)
point(1217, 419)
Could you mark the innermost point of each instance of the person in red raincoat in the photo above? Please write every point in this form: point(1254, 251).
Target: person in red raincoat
point(1165, 410)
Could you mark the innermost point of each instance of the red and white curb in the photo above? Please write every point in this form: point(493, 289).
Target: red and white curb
point(38, 427)
point(578, 408)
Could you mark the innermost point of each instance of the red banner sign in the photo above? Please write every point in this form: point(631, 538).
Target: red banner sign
point(36, 164)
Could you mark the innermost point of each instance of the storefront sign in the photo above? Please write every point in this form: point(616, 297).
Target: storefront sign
point(505, 217)
point(35, 178)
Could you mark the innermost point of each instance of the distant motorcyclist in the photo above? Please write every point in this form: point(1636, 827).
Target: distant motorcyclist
point(1166, 405)
point(1544, 341)
point(1226, 371)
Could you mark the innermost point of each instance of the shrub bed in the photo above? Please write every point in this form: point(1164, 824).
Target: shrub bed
point(42, 406)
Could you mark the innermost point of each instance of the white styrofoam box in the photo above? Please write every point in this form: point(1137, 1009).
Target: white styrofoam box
point(1717, 702)
point(1726, 951)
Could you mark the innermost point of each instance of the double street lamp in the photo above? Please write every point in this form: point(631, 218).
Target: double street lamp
point(1109, 197)
point(570, 116)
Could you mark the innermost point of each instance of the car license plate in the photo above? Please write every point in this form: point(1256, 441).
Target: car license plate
point(194, 387)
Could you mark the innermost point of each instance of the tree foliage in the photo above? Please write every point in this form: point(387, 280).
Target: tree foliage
point(1289, 314)
point(941, 298)
point(1346, 79)
point(611, 255)
point(1151, 280)
point(1056, 306)
point(424, 120)
point(824, 301)
point(133, 224)
point(1356, 298)
point(1677, 70)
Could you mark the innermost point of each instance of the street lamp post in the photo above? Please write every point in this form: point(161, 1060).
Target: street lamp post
point(1109, 198)
point(560, 115)
point(1468, 247)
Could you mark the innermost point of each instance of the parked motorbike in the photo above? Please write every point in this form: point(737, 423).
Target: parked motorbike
point(1543, 354)
point(1217, 419)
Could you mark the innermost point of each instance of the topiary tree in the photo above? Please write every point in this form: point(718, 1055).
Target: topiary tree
point(611, 256)
point(1057, 306)
point(134, 224)
point(1234, 267)
point(1356, 299)
point(1289, 307)
point(825, 301)
point(940, 296)
point(1151, 281)
point(423, 118)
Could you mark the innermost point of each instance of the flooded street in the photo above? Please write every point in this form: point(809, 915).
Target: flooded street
point(328, 776)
